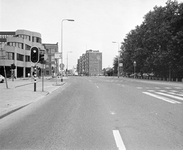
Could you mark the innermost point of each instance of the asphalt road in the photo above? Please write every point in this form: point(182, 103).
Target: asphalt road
point(100, 113)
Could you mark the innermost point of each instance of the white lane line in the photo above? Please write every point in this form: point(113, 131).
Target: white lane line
point(162, 90)
point(172, 96)
point(139, 88)
point(168, 88)
point(160, 97)
point(178, 88)
point(121, 85)
point(119, 142)
point(175, 93)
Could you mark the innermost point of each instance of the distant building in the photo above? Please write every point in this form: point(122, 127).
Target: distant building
point(15, 49)
point(52, 64)
point(90, 63)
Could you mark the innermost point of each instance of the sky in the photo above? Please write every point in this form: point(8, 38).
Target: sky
point(97, 23)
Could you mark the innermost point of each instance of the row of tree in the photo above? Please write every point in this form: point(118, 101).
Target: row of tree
point(157, 44)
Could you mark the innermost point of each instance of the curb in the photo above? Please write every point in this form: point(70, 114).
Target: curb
point(13, 110)
point(16, 108)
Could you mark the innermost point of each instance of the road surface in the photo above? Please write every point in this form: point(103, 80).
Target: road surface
point(100, 113)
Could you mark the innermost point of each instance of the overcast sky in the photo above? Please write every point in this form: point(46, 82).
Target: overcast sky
point(97, 22)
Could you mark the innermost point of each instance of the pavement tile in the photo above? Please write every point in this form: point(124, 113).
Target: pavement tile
point(20, 93)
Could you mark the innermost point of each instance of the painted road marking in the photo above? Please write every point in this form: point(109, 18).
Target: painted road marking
point(168, 88)
point(96, 85)
point(112, 113)
point(162, 98)
point(119, 142)
point(175, 93)
point(178, 88)
point(172, 96)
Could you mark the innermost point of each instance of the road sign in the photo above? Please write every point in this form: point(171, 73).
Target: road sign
point(121, 64)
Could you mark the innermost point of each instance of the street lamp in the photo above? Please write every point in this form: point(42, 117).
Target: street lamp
point(118, 57)
point(67, 61)
point(62, 45)
point(134, 64)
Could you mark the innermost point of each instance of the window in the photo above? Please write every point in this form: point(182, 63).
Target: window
point(49, 51)
point(27, 58)
point(52, 58)
point(52, 50)
point(37, 39)
point(10, 55)
point(27, 47)
point(20, 57)
point(32, 39)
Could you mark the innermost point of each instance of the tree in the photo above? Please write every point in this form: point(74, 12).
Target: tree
point(156, 45)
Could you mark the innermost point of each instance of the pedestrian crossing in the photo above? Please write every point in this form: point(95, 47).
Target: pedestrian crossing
point(172, 95)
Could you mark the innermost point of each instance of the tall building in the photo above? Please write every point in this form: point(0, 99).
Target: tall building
point(51, 66)
point(15, 49)
point(90, 63)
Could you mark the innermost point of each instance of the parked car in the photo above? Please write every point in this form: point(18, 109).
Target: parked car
point(1, 79)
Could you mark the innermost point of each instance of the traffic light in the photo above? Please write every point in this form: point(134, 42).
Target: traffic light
point(41, 58)
point(34, 54)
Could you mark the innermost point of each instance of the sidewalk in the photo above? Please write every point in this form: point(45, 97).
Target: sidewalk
point(20, 93)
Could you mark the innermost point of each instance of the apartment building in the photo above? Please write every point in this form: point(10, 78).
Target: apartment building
point(15, 49)
point(90, 63)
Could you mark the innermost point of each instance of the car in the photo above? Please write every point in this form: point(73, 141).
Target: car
point(1, 79)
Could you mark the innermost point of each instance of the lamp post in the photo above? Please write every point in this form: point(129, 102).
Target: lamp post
point(118, 57)
point(67, 61)
point(134, 64)
point(62, 45)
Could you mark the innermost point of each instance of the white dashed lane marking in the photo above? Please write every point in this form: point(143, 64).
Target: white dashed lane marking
point(119, 142)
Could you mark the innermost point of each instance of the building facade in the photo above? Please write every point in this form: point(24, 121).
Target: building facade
point(52, 64)
point(15, 49)
point(90, 63)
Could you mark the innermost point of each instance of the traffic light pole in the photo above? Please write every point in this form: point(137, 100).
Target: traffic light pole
point(35, 74)
point(42, 71)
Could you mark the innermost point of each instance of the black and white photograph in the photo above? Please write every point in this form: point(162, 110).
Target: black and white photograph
point(91, 74)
